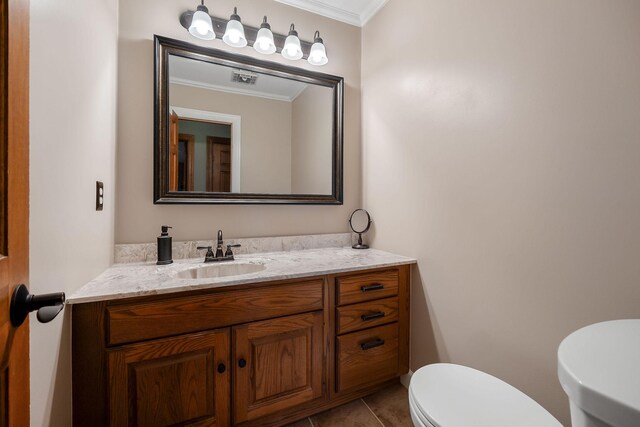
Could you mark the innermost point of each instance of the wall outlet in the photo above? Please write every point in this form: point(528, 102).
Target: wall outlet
point(99, 196)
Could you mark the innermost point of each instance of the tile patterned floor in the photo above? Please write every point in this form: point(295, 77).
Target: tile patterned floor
point(387, 408)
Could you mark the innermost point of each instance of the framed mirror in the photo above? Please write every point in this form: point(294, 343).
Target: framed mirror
point(237, 130)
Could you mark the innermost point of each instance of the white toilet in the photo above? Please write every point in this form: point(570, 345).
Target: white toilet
point(447, 395)
point(599, 369)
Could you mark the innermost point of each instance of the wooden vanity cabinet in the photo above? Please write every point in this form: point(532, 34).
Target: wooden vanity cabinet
point(250, 355)
point(278, 365)
point(372, 328)
point(171, 381)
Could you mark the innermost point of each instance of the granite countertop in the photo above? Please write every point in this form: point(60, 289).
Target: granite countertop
point(141, 279)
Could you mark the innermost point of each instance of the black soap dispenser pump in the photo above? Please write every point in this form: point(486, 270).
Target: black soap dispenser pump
point(164, 246)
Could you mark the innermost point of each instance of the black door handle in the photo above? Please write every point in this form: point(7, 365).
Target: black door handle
point(23, 303)
point(221, 368)
point(242, 363)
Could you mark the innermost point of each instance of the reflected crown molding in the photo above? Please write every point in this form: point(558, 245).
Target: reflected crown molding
point(237, 91)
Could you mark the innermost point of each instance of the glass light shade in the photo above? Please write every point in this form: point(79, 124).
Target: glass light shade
point(264, 42)
point(201, 26)
point(318, 54)
point(292, 49)
point(234, 35)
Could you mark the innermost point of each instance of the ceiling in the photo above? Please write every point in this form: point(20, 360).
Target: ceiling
point(205, 75)
point(354, 12)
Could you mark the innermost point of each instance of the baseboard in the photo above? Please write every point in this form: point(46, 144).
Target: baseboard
point(406, 379)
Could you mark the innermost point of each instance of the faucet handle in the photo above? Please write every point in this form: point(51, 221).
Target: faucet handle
point(209, 250)
point(229, 251)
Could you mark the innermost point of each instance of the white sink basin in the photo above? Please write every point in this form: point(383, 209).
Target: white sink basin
point(220, 270)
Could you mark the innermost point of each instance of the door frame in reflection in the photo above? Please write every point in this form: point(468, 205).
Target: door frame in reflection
point(186, 144)
point(236, 139)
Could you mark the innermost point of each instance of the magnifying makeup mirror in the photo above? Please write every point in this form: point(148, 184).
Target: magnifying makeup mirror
point(360, 221)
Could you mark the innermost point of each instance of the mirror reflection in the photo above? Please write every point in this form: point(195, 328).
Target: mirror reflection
point(238, 130)
point(200, 154)
point(235, 130)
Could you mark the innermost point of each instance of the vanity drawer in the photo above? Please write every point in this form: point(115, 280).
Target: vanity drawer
point(179, 315)
point(367, 357)
point(368, 286)
point(367, 314)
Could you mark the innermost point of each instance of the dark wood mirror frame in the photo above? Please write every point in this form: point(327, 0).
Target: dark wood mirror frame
point(161, 194)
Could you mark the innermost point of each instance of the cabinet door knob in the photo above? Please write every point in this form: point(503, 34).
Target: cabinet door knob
point(221, 368)
point(242, 363)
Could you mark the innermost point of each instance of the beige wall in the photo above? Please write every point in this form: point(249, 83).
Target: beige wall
point(501, 145)
point(265, 129)
point(73, 124)
point(137, 219)
point(311, 141)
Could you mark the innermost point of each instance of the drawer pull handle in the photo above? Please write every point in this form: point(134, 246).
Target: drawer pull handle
point(372, 316)
point(221, 368)
point(242, 363)
point(372, 344)
point(369, 288)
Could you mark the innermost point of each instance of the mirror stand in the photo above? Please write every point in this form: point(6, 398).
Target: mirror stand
point(360, 245)
point(360, 222)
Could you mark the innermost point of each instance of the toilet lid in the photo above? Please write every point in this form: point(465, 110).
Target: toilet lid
point(457, 396)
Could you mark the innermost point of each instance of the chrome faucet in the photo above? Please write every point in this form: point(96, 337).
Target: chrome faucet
point(219, 255)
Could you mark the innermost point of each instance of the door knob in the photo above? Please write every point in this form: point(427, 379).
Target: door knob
point(23, 303)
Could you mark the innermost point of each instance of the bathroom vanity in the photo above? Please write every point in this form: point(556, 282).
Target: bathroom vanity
point(312, 330)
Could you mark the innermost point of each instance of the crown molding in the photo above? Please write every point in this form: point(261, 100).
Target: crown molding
point(371, 10)
point(320, 8)
point(337, 13)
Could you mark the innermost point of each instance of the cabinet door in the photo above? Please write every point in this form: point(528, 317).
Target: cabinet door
point(182, 380)
point(278, 364)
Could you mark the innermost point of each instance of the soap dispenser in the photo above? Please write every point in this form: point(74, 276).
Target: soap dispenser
point(164, 247)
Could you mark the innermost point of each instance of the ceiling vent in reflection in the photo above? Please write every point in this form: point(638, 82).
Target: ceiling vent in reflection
point(244, 77)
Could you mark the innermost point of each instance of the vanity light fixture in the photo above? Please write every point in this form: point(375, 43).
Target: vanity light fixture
point(318, 54)
point(208, 27)
point(264, 40)
point(234, 35)
point(292, 49)
point(200, 26)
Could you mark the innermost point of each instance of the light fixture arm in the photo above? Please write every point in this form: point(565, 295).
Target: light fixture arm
point(235, 14)
point(265, 24)
point(251, 33)
point(292, 30)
